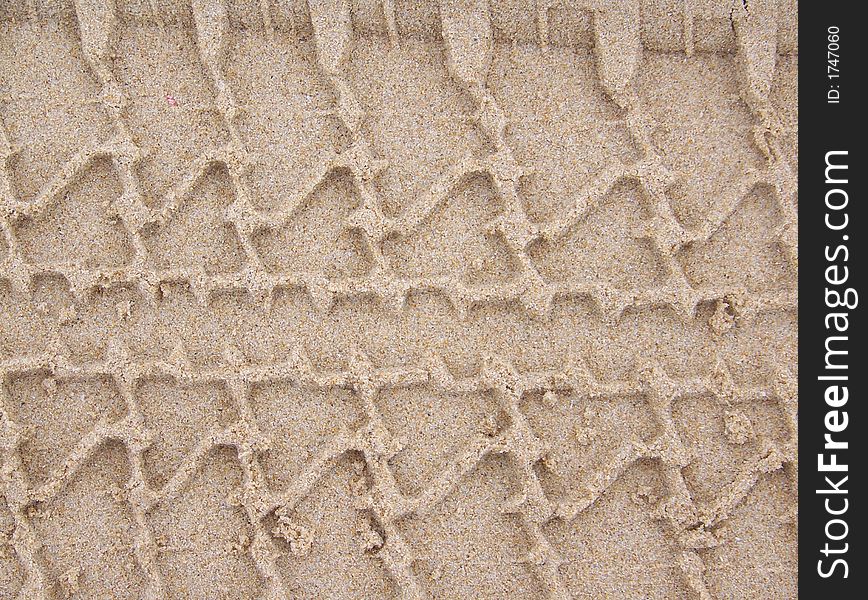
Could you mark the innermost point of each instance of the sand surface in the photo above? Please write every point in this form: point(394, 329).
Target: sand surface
point(398, 299)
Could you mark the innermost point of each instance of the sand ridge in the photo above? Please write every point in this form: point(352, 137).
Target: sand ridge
point(468, 48)
point(521, 258)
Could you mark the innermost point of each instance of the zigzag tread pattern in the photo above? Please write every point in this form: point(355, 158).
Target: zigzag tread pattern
point(191, 192)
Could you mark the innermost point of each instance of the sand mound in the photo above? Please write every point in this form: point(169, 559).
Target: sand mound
point(395, 298)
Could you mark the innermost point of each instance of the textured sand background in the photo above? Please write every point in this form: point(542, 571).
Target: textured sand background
point(398, 299)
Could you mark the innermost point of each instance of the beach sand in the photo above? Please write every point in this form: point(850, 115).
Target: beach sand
point(398, 299)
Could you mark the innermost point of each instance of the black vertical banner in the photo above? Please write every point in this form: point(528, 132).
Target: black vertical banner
point(832, 369)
